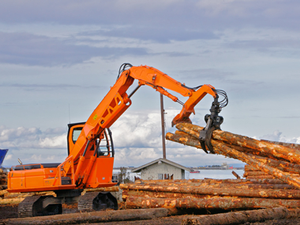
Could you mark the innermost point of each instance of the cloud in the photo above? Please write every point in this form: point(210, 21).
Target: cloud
point(279, 136)
point(33, 145)
point(155, 33)
point(183, 15)
point(34, 138)
point(39, 50)
point(137, 140)
point(58, 141)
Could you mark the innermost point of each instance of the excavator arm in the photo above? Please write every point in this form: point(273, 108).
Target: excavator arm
point(87, 165)
point(116, 102)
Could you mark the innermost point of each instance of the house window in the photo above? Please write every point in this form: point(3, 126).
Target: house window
point(165, 176)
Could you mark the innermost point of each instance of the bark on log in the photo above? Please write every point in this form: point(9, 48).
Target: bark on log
point(151, 194)
point(236, 175)
point(17, 195)
point(254, 173)
point(209, 203)
point(91, 217)
point(280, 164)
point(2, 193)
point(108, 189)
point(289, 145)
point(11, 201)
point(260, 177)
point(214, 181)
point(250, 168)
point(242, 217)
point(280, 151)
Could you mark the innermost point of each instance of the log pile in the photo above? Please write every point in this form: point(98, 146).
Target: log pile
point(253, 173)
point(278, 160)
point(272, 177)
point(3, 179)
point(225, 194)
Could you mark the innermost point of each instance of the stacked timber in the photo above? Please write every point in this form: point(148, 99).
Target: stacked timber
point(3, 179)
point(281, 161)
point(251, 172)
point(210, 194)
point(272, 177)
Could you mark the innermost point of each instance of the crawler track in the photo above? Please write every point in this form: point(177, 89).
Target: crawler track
point(25, 208)
point(97, 201)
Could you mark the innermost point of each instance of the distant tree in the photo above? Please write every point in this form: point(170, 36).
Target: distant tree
point(124, 176)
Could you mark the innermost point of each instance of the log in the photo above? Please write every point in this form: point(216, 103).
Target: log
point(214, 181)
point(105, 189)
point(260, 177)
point(11, 201)
point(290, 145)
point(2, 193)
point(250, 168)
point(236, 175)
point(279, 151)
point(242, 217)
point(280, 164)
point(254, 173)
point(209, 203)
point(202, 190)
point(151, 194)
point(17, 195)
point(266, 181)
point(237, 185)
point(91, 217)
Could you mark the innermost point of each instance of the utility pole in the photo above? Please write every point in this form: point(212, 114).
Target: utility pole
point(162, 111)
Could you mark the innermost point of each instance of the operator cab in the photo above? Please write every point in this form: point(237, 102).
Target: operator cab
point(104, 143)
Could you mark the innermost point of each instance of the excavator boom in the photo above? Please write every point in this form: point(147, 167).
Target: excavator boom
point(90, 147)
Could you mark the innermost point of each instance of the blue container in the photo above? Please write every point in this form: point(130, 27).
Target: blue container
point(2, 155)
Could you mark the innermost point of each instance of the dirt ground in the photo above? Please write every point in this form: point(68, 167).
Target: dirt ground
point(11, 211)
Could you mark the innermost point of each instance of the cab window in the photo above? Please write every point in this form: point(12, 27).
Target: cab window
point(76, 133)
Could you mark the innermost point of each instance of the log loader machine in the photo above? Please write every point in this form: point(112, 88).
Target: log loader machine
point(90, 159)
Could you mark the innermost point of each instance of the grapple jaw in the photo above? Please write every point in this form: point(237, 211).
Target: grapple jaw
point(213, 122)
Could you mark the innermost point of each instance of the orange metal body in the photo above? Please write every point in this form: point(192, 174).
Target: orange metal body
point(85, 166)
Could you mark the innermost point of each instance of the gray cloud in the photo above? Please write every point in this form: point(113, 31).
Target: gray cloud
point(155, 33)
point(46, 87)
point(29, 49)
point(119, 11)
point(168, 17)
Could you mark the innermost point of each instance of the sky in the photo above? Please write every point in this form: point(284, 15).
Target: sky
point(58, 59)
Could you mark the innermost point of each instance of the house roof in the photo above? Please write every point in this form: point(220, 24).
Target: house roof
point(138, 169)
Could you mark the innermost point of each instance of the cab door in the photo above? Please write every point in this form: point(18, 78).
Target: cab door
point(73, 134)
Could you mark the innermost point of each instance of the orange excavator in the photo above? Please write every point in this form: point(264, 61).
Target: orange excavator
point(90, 146)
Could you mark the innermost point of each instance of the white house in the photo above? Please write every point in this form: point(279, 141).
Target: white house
point(161, 169)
